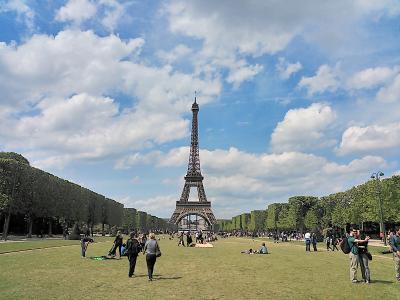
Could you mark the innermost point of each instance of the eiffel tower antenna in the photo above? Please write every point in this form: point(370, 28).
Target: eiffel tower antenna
point(194, 178)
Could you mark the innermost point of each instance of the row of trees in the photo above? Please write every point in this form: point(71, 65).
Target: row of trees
point(358, 205)
point(30, 194)
point(142, 221)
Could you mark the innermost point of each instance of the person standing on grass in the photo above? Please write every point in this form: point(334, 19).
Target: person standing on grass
point(314, 241)
point(132, 249)
point(181, 241)
point(189, 239)
point(363, 259)
point(353, 241)
point(151, 249)
point(84, 244)
point(328, 243)
point(117, 244)
point(307, 238)
point(395, 244)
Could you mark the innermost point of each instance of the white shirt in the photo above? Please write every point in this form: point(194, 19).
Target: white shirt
point(307, 235)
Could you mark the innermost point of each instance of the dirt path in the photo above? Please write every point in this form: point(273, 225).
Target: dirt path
point(42, 248)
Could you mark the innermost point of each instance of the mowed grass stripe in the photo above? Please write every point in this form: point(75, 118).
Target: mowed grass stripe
point(221, 272)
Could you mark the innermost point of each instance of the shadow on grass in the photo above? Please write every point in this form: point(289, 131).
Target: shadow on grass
point(382, 281)
point(159, 277)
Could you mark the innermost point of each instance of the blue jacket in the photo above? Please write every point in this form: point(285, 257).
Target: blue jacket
point(395, 243)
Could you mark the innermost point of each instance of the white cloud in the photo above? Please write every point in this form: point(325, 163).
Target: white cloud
point(372, 77)
point(238, 75)
point(357, 139)
point(106, 13)
point(326, 79)
point(391, 92)
point(179, 52)
point(303, 128)
point(234, 177)
point(286, 69)
point(40, 75)
point(234, 31)
point(155, 206)
point(76, 11)
point(114, 11)
point(24, 12)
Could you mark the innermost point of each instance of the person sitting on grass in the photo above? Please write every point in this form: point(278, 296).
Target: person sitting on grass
point(84, 244)
point(250, 251)
point(263, 249)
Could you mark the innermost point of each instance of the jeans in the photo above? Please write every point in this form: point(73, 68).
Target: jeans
point(363, 259)
point(83, 248)
point(308, 242)
point(150, 260)
point(396, 259)
point(132, 264)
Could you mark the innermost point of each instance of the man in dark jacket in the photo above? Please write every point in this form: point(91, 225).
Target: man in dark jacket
point(132, 250)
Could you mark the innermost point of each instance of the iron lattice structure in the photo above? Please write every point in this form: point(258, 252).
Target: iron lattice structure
point(193, 178)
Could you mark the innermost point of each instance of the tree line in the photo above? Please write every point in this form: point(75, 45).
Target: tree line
point(29, 195)
point(356, 206)
point(134, 220)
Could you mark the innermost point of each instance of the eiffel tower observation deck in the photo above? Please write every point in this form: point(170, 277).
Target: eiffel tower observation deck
point(185, 209)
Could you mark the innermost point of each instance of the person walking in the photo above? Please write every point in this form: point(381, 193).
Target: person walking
point(152, 250)
point(334, 243)
point(353, 242)
point(395, 244)
point(133, 249)
point(307, 238)
point(314, 241)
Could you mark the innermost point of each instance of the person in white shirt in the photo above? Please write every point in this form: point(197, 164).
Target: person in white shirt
point(307, 238)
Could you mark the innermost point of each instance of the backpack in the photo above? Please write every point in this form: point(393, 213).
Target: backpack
point(344, 245)
point(132, 247)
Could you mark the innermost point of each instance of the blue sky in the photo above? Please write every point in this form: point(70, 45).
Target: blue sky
point(296, 97)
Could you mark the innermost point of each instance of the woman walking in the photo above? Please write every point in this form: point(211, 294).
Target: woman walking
point(152, 250)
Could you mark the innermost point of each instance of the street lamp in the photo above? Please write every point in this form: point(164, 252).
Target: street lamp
point(377, 176)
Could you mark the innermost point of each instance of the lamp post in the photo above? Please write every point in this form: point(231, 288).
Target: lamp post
point(377, 176)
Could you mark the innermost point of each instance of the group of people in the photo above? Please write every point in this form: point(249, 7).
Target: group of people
point(151, 249)
point(262, 250)
point(132, 248)
point(359, 254)
point(200, 238)
point(310, 238)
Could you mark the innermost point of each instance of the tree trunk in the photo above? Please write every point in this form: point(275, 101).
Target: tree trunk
point(50, 228)
point(6, 225)
point(30, 225)
point(102, 230)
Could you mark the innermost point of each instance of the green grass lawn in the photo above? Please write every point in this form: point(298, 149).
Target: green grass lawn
point(221, 272)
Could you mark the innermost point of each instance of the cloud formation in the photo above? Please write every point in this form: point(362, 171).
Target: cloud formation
point(304, 129)
point(234, 178)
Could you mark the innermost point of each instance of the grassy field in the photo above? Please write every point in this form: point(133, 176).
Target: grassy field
point(221, 272)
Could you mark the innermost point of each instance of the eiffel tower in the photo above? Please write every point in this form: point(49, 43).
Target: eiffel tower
point(202, 207)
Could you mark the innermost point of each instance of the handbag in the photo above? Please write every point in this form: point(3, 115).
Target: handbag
point(369, 256)
point(158, 252)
